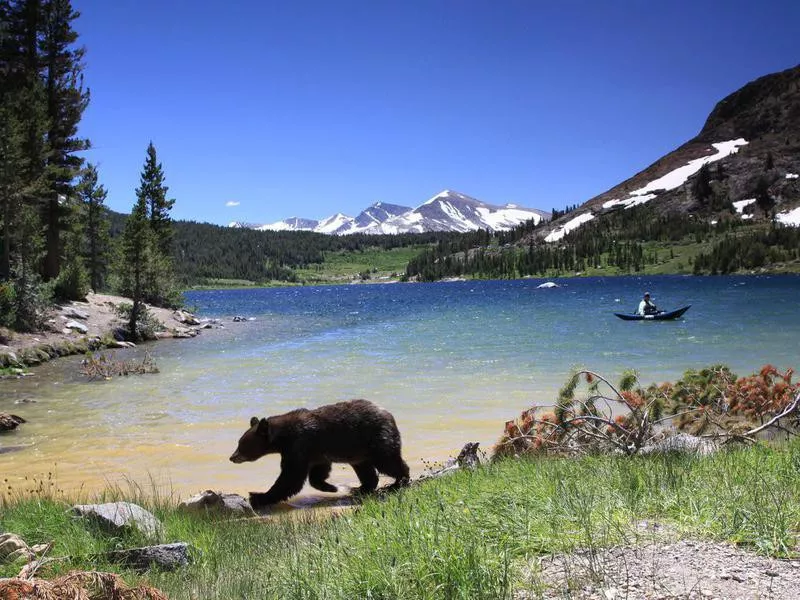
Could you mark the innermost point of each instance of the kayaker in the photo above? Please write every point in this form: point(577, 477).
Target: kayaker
point(647, 306)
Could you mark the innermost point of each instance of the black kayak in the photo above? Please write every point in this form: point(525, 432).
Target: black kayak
point(661, 315)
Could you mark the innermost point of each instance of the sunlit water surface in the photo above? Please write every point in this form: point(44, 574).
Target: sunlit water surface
point(452, 361)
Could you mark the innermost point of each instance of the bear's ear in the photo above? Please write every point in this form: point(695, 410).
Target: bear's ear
point(263, 428)
point(253, 421)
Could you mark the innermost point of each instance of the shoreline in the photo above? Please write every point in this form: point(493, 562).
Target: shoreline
point(78, 327)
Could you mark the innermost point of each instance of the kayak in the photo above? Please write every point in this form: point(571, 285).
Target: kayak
point(661, 315)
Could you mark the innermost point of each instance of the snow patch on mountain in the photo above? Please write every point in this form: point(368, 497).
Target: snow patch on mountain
point(791, 217)
point(680, 175)
point(676, 177)
point(740, 204)
point(650, 191)
point(570, 225)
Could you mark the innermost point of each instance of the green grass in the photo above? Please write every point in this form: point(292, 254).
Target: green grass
point(346, 266)
point(470, 535)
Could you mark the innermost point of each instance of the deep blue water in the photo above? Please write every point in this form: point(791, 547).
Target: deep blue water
point(452, 361)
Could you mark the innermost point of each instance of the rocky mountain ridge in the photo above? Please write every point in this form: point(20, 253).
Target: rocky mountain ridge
point(751, 145)
point(447, 211)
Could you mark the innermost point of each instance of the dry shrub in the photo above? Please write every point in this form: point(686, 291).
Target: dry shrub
point(78, 585)
point(102, 367)
point(712, 402)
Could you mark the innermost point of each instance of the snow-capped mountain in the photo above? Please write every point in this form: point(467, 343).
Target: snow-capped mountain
point(447, 211)
point(453, 211)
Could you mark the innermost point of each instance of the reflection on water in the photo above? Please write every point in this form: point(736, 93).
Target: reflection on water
point(452, 362)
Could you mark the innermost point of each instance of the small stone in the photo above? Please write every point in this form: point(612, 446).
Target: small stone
point(77, 326)
point(771, 573)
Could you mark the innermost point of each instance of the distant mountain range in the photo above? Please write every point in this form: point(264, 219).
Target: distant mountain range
point(447, 211)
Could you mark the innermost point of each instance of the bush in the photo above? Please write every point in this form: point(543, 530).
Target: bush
point(72, 282)
point(7, 302)
point(712, 402)
point(147, 324)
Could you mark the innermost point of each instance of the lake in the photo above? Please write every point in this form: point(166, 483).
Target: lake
point(452, 362)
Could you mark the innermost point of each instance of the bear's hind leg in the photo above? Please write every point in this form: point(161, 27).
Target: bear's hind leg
point(317, 476)
point(394, 466)
point(368, 477)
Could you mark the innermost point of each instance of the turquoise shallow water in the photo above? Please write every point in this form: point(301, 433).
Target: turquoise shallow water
point(452, 361)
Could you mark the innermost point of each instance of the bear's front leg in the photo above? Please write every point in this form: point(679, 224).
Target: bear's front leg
point(293, 475)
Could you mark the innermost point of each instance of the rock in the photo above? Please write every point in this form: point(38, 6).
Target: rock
point(185, 317)
point(164, 556)
point(184, 333)
point(13, 548)
point(682, 443)
point(119, 344)
point(77, 326)
point(9, 422)
point(547, 285)
point(70, 312)
point(238, 319)
point(467, 459)
point(8, 358)
point(119, 515)
point(217, 502)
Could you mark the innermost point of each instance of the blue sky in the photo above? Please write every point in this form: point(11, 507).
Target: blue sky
point(307, 108)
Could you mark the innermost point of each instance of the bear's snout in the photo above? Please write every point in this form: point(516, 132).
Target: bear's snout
point(237, 458)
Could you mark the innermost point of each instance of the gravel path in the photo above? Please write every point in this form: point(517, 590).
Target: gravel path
point(686, 569)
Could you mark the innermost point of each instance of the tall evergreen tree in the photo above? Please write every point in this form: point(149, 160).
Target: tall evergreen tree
point(96, 226)
point(137, 247)
point(159, 284)
point(66, 100)
point(22, 159)
point(158, 205)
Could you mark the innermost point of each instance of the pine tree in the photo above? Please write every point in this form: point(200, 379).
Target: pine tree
point(96, 226)
point(66, 100)
point(769, 163)
point(158, 206)
point(763, 199)
point(22, 141)
point(701, 188)
point(159, 280)
point(72, 282)
point(137, 248)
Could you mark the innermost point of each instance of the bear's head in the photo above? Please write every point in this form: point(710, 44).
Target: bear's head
point(255, 443)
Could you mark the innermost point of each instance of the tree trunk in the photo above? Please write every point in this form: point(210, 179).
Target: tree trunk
point(52, 261)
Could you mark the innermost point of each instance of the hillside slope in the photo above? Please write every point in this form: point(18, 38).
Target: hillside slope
point(751, 144)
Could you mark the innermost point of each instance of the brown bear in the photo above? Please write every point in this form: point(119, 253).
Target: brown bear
point(356, 432)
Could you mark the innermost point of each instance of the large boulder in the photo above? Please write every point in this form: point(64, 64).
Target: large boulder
point(218, 503)
point(187, 318)
point(115, 516)
point(13, 548)
point(164, 556)
point(681, 443)
point(70, 312)
point(9, 422)
point(79, 327)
